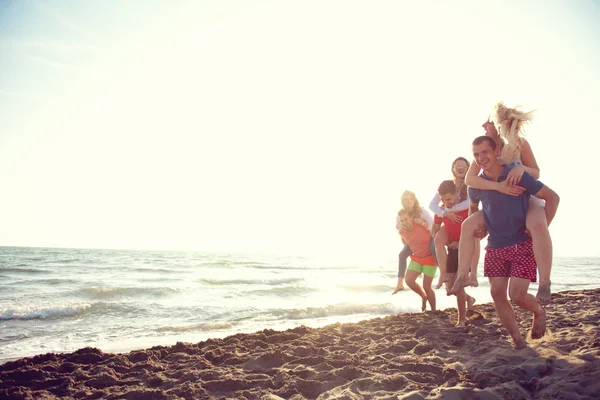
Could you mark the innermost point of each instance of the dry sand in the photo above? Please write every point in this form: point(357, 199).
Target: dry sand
point(405, 356)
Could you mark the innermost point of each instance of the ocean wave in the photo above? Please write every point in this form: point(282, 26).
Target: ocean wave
point(68, 310)
point(117, 292)
point(216, 264)
point(282, 291)
point(334, 310)
point(165, 270)
point(10, 338)
point(25, 270)
point(204, 326)
point(61, 261)
point(282, 281)
point(49, 281)
point(33, 312)
point(40, 258)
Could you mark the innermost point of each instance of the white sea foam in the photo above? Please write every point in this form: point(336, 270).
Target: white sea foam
point(43, 312)
point(116, 292)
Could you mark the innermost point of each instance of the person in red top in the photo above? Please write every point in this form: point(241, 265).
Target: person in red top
point(448, 262)
point(422, 261)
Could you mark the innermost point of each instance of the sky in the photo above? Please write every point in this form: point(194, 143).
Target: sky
point(280, 126)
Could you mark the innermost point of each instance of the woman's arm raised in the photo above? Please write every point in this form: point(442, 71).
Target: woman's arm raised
point(472, 179)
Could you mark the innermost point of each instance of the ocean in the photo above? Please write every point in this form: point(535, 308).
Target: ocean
point(60, 300)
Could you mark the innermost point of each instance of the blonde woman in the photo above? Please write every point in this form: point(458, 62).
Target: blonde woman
point(513, 150)
point(421, 217)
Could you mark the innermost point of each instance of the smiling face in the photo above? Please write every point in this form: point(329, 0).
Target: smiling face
point(459, 168)
point(449, 199)
point(408, 201)
point(407, 222)
point(485, 155)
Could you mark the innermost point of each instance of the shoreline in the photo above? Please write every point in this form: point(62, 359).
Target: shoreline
point(420, 355)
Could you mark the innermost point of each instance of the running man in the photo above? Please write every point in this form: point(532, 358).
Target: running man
point(509, 261)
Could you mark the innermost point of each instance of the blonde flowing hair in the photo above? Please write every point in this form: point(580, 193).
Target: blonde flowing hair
point(509, 123)
point(414, 212)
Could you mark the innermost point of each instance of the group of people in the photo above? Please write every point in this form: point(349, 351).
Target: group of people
point(516, 211)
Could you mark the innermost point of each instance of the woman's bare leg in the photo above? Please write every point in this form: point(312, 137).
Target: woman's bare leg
point(402, 257)
point(470, 301)
point(474, 262)
point(461, 301)
point(466, 250)
point(427, 281)
point(411, 282)
point(441, 238)
point(542, 246)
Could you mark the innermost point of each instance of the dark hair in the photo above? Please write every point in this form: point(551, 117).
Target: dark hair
point(479, 140)
point(457, 160)
point(447, 187)
point(462, 195)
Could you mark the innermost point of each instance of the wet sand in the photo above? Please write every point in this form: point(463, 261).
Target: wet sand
point(405, 356)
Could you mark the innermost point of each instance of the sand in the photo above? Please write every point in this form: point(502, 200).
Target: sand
point(405, 356)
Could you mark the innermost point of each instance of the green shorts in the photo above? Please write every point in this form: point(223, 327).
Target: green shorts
point(427, 270)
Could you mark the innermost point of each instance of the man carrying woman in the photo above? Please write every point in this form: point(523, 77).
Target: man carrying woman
point(448, 261)
point(418, 239)
point(509, 263)
point(513, 150)
point(421, 217)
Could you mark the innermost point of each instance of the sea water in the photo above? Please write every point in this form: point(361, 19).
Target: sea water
point(60, 300)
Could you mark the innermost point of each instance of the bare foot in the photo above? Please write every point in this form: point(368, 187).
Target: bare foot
point(470, 301)
point(460, 282)
point(538, 329)
point(441, 280)
point(460, 324)
point(543, 294)
point(424, 304)
point(520, 344)
point(398, 288)
point(473, 280)
point(448, 286)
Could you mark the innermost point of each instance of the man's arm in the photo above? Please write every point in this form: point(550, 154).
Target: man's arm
point(552, 200)
point(472, 179)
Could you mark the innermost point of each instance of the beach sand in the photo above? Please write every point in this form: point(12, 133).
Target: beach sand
point(405, 356)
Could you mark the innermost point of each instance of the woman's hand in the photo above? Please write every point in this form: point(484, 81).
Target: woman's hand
point(452, 216)
point(453, 245)
point(515, 174)
point(506, 188)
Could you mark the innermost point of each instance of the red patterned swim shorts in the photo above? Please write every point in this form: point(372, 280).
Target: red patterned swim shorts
point(513, 261)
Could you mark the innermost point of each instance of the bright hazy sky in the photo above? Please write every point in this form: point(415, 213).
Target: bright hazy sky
point(258, 125)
